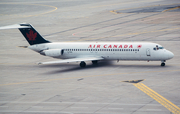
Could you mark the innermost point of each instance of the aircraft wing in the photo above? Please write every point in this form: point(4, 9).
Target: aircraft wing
point(73, 60)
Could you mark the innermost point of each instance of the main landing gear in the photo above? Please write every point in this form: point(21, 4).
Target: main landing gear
point(94, 62)
point(82, 64)
point(162, 63)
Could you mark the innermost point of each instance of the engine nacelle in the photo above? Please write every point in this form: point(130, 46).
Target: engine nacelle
point(53, 52)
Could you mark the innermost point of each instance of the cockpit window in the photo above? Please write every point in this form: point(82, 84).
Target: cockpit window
point(161, 47)
point(157, 47)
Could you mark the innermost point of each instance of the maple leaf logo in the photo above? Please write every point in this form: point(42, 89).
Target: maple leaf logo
point(31, 36)
point(139, 46)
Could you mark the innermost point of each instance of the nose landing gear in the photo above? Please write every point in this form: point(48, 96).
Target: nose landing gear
point(162, 63)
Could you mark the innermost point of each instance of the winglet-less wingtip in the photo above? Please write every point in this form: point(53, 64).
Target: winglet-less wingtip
point(40, 63)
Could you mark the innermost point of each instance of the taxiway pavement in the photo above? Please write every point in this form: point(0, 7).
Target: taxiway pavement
point(28, 88)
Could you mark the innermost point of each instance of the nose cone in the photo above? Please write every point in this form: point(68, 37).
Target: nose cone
point(171, 55)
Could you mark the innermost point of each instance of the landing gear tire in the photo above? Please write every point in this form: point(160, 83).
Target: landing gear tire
point(163, 64)
point(94, 62)
point(82, 64)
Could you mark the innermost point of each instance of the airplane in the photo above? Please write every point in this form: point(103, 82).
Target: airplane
point(91, 51)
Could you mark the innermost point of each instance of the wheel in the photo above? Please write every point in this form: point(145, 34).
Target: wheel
point(82, 64)
point(95, 62)
point(163, 64)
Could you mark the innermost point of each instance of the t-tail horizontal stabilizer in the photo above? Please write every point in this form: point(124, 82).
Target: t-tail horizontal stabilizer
point(15, 26)
point(28, 31)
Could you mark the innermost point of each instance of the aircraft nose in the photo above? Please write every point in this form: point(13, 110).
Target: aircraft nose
point(171, 55)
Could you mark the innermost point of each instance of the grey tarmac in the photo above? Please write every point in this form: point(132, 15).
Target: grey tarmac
point(29, 88)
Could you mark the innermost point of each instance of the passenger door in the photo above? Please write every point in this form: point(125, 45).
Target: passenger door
point(148, 52)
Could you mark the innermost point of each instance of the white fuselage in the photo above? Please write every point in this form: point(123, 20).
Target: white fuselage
point(91, 51)
point(108, 50)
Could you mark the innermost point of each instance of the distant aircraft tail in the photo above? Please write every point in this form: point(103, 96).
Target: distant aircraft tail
point(31, 35)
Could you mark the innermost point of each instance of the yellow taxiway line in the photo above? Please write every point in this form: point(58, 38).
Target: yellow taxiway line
point(24, 16)
point(171, 9)
point(135, 33)
point(160, 99)
point(115, 11)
